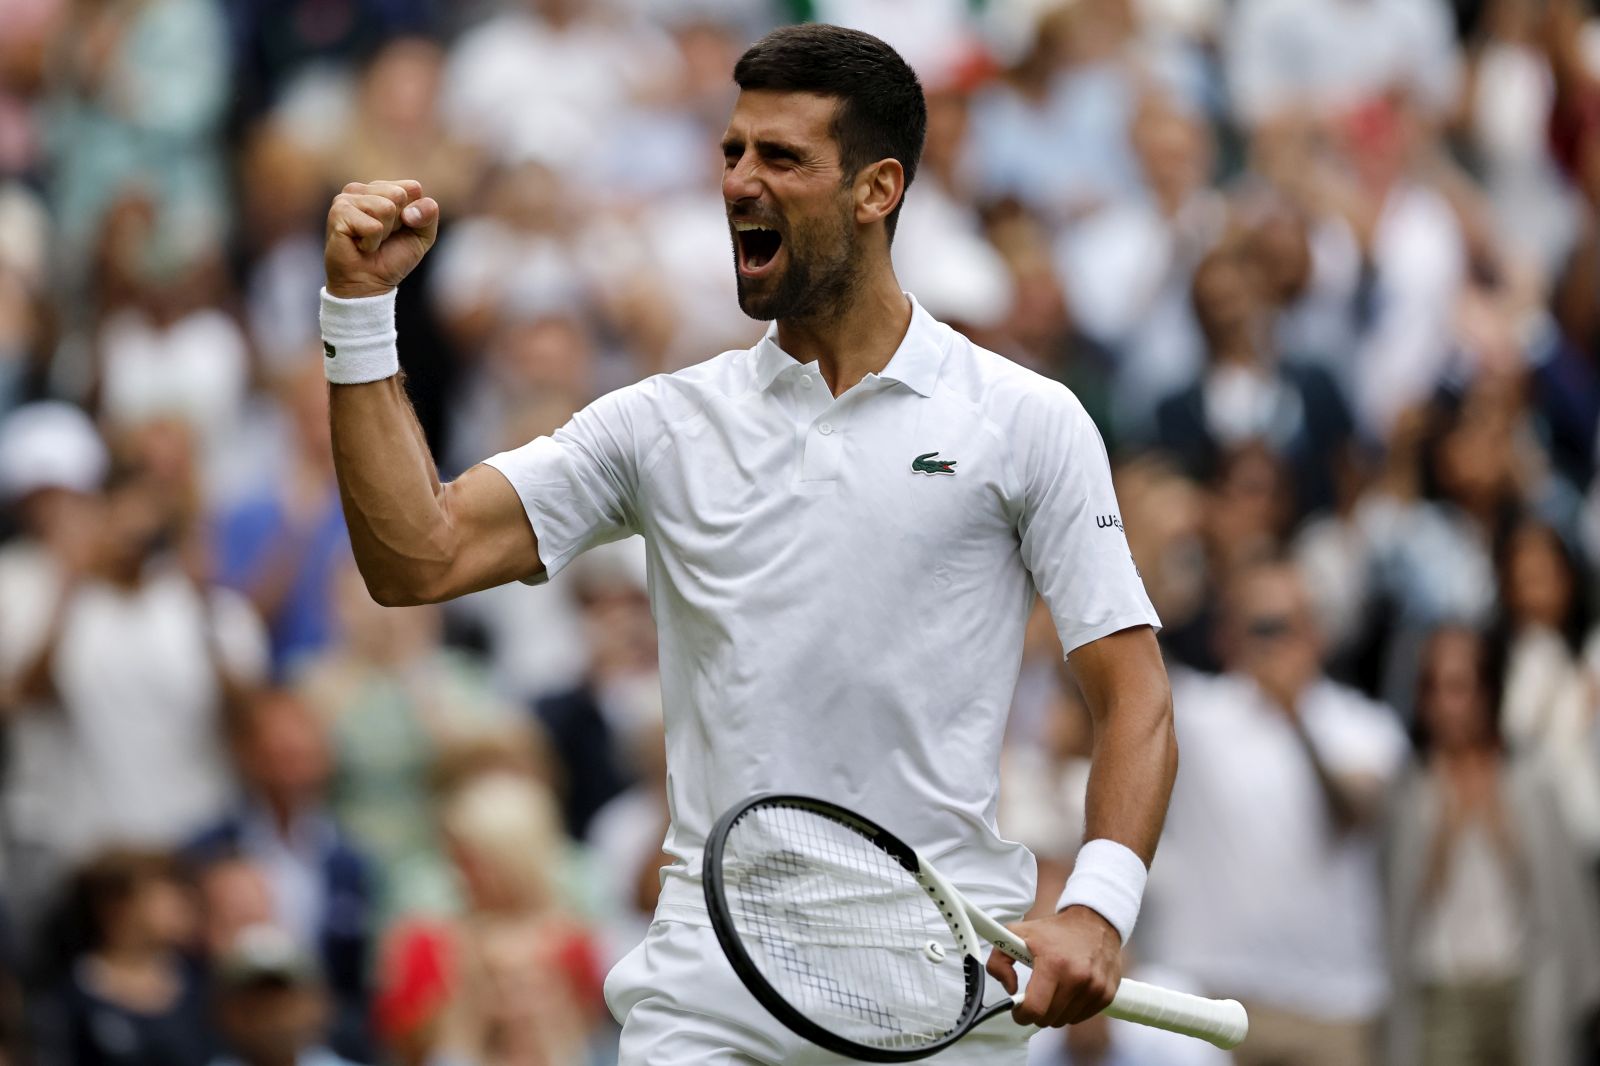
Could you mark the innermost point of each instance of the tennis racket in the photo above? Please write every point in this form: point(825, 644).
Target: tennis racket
point(855, 942)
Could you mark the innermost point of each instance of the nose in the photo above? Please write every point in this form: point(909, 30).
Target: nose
point(739, 181)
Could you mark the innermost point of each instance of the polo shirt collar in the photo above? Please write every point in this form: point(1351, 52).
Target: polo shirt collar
point(914, 364)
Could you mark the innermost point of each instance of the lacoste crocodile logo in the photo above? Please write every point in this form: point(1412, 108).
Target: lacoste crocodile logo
point(927, 464)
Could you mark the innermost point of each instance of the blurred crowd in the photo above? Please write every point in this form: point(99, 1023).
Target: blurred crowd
point(1325, 272)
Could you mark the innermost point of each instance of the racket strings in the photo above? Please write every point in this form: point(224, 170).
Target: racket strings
point(841, 930)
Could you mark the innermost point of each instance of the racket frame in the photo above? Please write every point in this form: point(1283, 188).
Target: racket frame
point(1222, 1023)
point(952, 905)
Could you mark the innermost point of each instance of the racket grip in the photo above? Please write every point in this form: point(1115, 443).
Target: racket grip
point(1217, 1021)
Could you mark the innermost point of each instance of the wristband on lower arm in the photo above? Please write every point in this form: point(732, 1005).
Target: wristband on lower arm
point(359, 342)
point(1109, 879)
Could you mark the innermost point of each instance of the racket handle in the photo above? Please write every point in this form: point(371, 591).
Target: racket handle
point(1217, 1021)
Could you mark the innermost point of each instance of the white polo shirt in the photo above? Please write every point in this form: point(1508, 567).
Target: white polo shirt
point(841, 583)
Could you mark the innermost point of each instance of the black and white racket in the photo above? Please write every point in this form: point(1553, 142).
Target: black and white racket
point(855, 942)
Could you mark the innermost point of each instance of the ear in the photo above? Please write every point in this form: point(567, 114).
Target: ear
point(879, 188)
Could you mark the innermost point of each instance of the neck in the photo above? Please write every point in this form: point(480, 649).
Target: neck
point(856, 339)
point(133, 953)
point(282, 810)
point(1170, 199)
point(1234, 351)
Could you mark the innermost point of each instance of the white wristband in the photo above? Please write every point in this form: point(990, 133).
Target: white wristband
point(1108, 878)
point(359, 342)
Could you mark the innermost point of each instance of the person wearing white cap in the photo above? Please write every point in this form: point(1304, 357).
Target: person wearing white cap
point(271, 1003)
point(126, 659)
point(52, 462)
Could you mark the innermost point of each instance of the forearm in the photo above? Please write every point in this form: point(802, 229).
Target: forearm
point(35, 677)
point(1134, 764)
point(1135, 760)
point(390, 489)
point(1355, 802)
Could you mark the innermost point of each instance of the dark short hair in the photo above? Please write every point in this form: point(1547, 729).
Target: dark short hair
point(882, 113)
point(110, 879)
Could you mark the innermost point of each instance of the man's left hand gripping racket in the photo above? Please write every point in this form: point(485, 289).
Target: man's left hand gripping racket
point(855, 942)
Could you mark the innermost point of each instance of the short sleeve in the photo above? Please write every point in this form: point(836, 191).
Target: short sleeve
point(1070, 525)
point(578, 484)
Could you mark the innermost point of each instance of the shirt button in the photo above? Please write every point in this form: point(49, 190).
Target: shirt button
point(825, 428)
point(805, 380)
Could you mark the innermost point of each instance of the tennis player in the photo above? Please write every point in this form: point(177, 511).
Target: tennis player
point(845, 527)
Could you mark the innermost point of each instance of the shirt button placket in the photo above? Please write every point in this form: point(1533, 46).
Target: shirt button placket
point(823, 449)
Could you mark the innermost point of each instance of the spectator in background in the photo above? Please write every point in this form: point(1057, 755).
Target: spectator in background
point(52, 463)
point(321, 887)
point(26, 320)
point(396, 125)
point(287, 50)
point(583, 64)
point(32, 28)
point(284, 546)
point(1413, 245)
point(1309, 269)
point(1127, 267)
point(1508, 93)
point(1547, 709)
point(522, 242)
point(1494, 929)
point(394, 701)
point(626, 838)
point(1246, 393)
point(595, 728)
point(514, 982)
point(1268, 889)
point(142, 655)
point(1164, 513)
point(271, 1006)
point(1052, 132)
point(141, 95)
point(281, 191)
point(1299, 60)
point(234, 894)
point(130, 997)
point(164, 348)
point(1416, 549)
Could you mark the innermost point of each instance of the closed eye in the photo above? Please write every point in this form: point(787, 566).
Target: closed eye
point(769, 151)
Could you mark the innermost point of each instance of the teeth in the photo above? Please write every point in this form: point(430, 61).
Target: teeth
point(747, 227)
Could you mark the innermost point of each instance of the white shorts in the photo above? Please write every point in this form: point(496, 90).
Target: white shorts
point(680, 1004)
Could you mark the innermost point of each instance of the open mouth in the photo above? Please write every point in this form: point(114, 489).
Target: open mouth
point(758, 246)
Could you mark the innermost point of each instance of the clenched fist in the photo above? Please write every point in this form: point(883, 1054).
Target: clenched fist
point(377, 234)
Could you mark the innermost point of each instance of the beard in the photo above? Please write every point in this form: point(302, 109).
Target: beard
point(817, 280)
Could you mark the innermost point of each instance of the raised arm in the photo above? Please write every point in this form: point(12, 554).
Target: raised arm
point(416, 539)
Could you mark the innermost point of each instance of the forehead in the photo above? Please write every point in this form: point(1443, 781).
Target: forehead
point(794, 118)
point(1271, 589)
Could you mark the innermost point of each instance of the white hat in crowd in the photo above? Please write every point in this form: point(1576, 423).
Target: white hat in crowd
point(50, 444)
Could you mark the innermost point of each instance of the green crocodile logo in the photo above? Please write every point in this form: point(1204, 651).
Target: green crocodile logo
point(927, 464)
